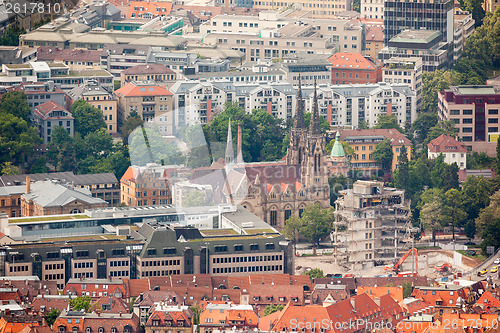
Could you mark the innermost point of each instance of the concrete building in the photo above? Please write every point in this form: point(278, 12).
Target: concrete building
point(153, 103)
point(474, 110)
point(100, 98)
point(376, 219)
point(406, 70)
point(17, 55)
point(48, 115)
point(148, 185)
point(317, 10)
point(353, 68)
point(452, 150)
point(463, 19)
point(158, 73)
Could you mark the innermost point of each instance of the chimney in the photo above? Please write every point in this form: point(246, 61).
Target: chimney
point(28, 184)
point(239, 151)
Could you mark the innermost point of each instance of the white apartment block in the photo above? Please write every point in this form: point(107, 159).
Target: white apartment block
point(407, 70)
point(273, 35)
point(341, 105)
point(372, 9)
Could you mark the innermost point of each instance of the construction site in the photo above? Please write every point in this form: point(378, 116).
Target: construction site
point(373, 234)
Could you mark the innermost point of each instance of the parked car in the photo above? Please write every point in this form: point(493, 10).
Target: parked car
point(494, 269)
point(481, 273)
point(497, 261)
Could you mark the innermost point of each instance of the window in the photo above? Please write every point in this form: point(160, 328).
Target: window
point(254, 247)
point(274, 217)
point(269, 246)
point(118, 252)
point(288, 213)
point(151, 252)
point(82, 253)
point(238, 248)
point(169, 250)
point(220, 248)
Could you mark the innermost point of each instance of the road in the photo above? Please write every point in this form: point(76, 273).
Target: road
point(488, 265)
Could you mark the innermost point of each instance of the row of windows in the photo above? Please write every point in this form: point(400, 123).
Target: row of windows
point(161, 273)
point(54, 276)
point(86, 275)
point(155, 263)
point(248, 269)
point(116, 263)
point(23, 268)
point(88, 264)
point(350, 74)
point(118, 273)
point(53, 266)
point(227, 260)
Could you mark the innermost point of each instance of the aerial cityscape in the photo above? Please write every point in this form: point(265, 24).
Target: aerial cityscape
point(231, 166)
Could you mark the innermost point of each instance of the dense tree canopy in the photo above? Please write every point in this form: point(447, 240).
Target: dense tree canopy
point(383, 154)
point(88, 119)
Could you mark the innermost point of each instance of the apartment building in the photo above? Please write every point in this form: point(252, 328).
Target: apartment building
point(16, 54)
point(170, 317)
point(374, 41)
point(463, 19)
point(100, 98)
point(490, 5)
point(48, 115)
point(342, 105)
point(407, 70)
point(274, 35)
point(152, 102)
point(59, 73)
point(225, 317)
point(81, 322)
point(317, 9)
point(373, 9)
point(453, 151)
point(10, 200)
point(474, 110)
point(148, 10)
point(40, 92)
point(365, 141)
point(354, 68)
point(158, 73)
point(376, 219)
point(143, 186)
point(76, 60)
point(116, 58)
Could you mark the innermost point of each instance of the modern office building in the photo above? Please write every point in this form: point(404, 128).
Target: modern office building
point(400, 15)
point(474, 110)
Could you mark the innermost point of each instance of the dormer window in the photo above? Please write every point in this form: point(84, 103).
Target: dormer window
point(295, 299)
point(62, 329)
point(180, 323)
point(88, 330)
point(156, 322)
point(127, 329)
point(101, 329)
point(114, 330)
point(75, 329)
point(256, 298)
point(168, 323)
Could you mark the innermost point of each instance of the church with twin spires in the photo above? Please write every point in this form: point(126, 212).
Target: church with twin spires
point(275, 191)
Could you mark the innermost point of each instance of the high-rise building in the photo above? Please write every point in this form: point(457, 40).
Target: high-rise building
point(436, 15)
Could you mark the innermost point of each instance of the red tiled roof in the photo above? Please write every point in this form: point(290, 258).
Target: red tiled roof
point(395, 292)
point(446, 144)
point(488, 300)
point(48, 107)
point(149, 7)
point(133, 90)
point(47, 53)
point(352, 61)
point(49, 303)
point(135, 287)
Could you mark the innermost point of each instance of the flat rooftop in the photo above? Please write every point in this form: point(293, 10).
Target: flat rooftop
point(416, 36)
point(475, 90)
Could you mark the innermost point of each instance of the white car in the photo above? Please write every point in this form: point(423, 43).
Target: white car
point(497, 261)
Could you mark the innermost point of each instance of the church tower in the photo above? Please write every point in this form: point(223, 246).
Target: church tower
point(314, 170)
point(297, 140)
point(229, 156)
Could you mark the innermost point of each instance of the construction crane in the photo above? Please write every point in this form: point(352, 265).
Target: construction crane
point(397, 265)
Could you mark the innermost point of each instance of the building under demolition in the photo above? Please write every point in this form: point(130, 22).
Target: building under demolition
point(376, 218)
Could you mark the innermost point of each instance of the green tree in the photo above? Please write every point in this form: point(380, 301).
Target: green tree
point(17, 139)
point(402, 174)
point(475, 7)
point(491, 235)
point(383, 154)
point(195, 199)
point(9, 169)
point(10, 36)
point(434, 82)
point(479, 161)
point(432, 217)
point(132, 121)
point(197, 310)
point(489, 214)
point(272, 308)
point(442, 127)
point(15, 103)
point(388, 121)
point(454, 214)
point(88, 119)
point(444, 176)
point(317, 223)
point(61, 150)
point(51, 316)
point(475, 196)
point(407, 289)
point(39, 165)
point(80, 303)
point(148, 146)
point(470, 229)
point(497, 159)
point(422, 125)
point(292, 228)
point(315, 273)
point(337, 184)
point(363, 125)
